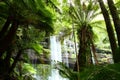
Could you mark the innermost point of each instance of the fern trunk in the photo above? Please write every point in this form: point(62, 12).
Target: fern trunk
point(84, 54)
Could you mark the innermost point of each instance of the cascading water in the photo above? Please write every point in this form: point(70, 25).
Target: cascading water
point(55, 48)
point(65, 54)
point(56, 56)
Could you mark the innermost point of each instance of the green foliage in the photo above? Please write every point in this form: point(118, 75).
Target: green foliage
point(38, 48)
point(30, 38)
point(103, 72)
point(43, 70)
point(47, 51)
point(28, 68)
point(28, 12)
point(84, 12)
point(3, 9)
point(110, 72)
point(23, 71)
point(67, 72)
point(116, 56)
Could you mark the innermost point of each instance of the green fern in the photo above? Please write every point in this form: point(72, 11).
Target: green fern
point(104, 72)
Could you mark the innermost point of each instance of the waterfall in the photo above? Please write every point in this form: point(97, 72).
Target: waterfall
point(66, 54)
point(56, 56)
point(55, 47)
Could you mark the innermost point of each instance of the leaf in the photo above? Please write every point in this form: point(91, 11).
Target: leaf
point(46, 50)
point(38, 48)
point(28, 68)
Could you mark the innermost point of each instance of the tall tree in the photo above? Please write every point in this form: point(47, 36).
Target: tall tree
point(116, 20)
point(115, 17)
point(109, 27)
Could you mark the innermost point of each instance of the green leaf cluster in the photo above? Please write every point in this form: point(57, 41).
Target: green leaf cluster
point(28, 68)
point(38, 48)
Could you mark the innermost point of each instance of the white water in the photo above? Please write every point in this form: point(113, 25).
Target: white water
point(55, 48)
point(56, 56)
point(66, 54)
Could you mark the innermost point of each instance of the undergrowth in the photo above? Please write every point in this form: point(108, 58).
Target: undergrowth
point(100, 72)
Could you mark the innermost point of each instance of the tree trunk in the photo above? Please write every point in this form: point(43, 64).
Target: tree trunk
point(5, 43)
point(115, 17)
point(84, 54)
point(7, 40)
point(109, 27)
point(94, 52)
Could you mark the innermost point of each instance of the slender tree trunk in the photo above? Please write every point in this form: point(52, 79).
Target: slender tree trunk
point(7, 40)
point(94, 53)
point(115, 17)
point(116, 21)
point(109, 27)
point(4, 31)
point(5, 43)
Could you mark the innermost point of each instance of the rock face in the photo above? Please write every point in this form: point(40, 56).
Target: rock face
point(104, 56)
point(36, 58)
